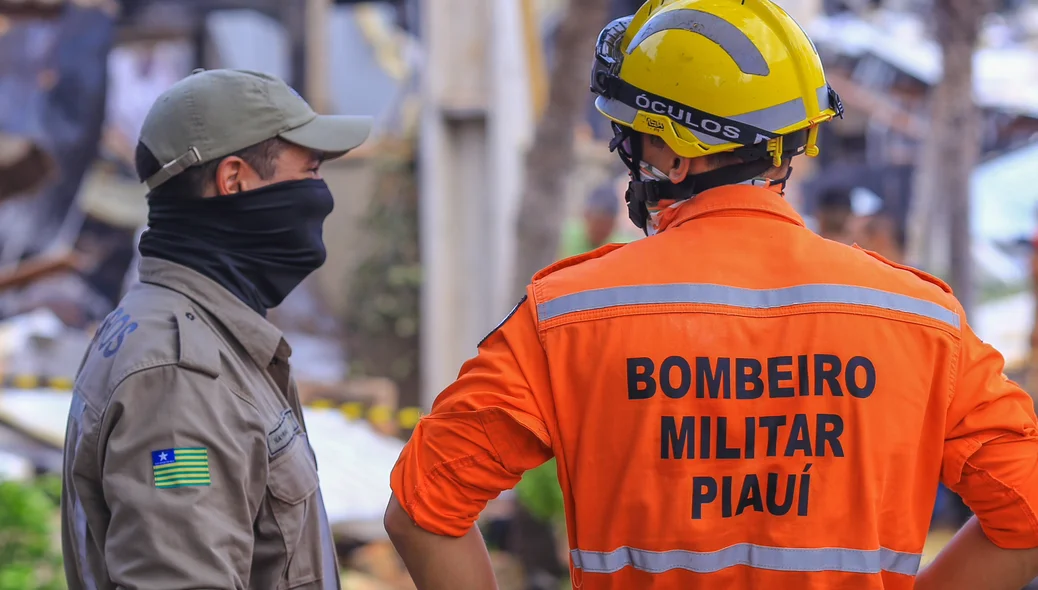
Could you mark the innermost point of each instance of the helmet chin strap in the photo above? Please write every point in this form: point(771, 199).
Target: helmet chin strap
point(642, 193)
point(781, 183)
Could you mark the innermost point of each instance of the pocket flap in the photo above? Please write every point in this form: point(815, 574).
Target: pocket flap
point(293, 477)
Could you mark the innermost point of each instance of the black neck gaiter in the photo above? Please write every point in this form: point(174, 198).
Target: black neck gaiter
point(259, 245)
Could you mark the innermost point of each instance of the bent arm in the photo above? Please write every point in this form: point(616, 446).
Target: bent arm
point(437, 562)
point(972, 561)
point(990, 448)
point(485, 430)
point(180, 478)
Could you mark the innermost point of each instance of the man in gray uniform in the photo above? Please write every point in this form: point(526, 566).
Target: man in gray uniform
point(186, 461)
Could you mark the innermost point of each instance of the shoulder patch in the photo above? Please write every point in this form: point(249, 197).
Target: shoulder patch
point(180, 467)
point(507, 317)
point(922, 275)
point(198, 350)
point(575, 260)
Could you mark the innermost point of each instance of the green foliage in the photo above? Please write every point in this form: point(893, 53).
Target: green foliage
point(382, 318)
point(995, 291)
point(29, 554)
point(539, 492)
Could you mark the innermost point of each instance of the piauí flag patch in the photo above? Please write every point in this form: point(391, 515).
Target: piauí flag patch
point(180, 468)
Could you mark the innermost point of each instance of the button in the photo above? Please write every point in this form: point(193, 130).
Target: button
point(190, 316)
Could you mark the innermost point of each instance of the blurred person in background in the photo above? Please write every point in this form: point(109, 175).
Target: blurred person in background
point(721, 395)
point(52, 80)
point(187, 462)
point(833, 215)
point(598, 225)
point(880, 233)
point(139, 72)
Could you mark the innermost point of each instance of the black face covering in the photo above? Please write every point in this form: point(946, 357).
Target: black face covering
point(258, 244)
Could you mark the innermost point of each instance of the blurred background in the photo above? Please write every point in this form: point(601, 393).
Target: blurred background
point(487, 163)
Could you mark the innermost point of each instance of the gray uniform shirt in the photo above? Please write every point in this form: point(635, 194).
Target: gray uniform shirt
point(187, 463)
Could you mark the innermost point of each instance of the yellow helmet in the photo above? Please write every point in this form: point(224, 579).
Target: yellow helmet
point(712, 76)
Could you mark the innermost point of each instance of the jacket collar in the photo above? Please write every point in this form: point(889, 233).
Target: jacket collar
point(260, 338)
point(730, 199)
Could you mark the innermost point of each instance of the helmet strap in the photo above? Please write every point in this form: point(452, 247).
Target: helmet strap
point(781, 183)
point(641, 194)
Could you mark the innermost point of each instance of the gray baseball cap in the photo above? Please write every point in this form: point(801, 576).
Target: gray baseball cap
point(213, 113)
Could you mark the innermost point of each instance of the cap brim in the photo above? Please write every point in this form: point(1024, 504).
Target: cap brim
point(332, 134)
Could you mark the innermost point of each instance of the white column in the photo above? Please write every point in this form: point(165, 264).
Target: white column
point(475, 116)
point(510, 133)
point(318, 17)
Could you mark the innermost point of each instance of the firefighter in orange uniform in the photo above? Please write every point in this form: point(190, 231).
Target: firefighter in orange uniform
point(733, 402)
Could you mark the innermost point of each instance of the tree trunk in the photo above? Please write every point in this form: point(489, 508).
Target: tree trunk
point(551, 155)
point(940, 210)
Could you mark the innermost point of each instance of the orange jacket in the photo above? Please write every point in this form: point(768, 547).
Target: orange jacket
point(734, 403)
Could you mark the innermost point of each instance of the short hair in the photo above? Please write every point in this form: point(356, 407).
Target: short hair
point(884, 220)
point(716, 160)
point(720, 160)
point(603, 200)
point(835, 198)
point(194, 181)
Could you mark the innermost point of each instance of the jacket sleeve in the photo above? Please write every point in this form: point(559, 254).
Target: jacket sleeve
point(991, 447)
point(484, 431)
point(183, 474)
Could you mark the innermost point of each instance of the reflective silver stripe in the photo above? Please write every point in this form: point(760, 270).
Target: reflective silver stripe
point(772, 118)
point(616, 109)
point(775, 117)
point(823, 99)
point(783, 115)
point(743, 298)
point(855, 561)
point(735, 43)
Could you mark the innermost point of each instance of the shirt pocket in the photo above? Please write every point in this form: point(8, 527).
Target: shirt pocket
point(292, 486)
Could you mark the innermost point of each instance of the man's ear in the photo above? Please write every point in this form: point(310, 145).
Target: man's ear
point(230, 175)
point(679, 170)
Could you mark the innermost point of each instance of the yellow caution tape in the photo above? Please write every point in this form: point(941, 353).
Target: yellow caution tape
point(409, 417)
point(24, 381)
point(352, 410)
point(322, 404)
point(406, 418)
point(62, 383)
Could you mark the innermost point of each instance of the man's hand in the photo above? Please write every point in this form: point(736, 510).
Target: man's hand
point(436, 562)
